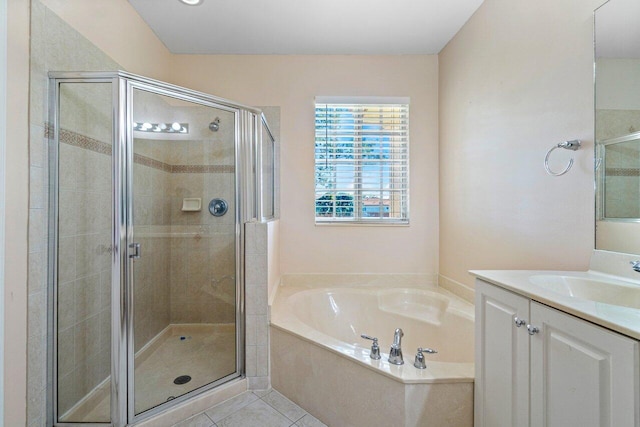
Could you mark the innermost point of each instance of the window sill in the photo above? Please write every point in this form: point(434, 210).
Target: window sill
point(398, 223)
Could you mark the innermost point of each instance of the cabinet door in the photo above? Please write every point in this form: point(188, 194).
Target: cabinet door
point(581, 374)
point(502, 358)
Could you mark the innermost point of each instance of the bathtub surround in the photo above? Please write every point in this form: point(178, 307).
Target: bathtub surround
point(318, 319)
point(327, 387)
point(356, 280)
point(463, 291)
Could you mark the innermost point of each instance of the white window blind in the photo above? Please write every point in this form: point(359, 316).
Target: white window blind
point(362, 162)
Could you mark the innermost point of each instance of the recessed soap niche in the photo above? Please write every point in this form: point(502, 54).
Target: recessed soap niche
point(193, 204)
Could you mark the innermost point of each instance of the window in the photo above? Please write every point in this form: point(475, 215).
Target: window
point(362, 160)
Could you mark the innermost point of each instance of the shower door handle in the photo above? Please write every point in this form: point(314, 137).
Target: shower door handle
point(136, 250)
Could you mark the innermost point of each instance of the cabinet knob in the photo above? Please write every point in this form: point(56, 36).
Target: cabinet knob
point(532, 330)
point(519, 322)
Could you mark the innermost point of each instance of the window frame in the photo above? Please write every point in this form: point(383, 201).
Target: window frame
point(401, 147)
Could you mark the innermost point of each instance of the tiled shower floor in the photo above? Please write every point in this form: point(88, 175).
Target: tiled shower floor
point(206, 354)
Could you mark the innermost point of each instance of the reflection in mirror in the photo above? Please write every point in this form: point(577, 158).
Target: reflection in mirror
point(617, 116)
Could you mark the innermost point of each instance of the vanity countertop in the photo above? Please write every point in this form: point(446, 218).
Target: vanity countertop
point(624, 320)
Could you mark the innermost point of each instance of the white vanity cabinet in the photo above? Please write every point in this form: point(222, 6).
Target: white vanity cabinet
point(537, 366)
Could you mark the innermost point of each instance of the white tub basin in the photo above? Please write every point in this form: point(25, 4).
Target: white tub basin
point(604, 290)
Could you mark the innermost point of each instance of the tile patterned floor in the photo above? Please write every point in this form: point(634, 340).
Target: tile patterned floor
point(263, 409)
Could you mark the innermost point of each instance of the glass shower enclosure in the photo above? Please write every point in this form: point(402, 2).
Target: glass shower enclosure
point(150, 185)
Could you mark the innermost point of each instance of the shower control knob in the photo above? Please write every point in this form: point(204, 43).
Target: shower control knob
point(218, 207)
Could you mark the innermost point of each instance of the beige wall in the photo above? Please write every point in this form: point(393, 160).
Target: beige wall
point(114, 27)
point(292, 82)
point(516, 80)
point(16, 199)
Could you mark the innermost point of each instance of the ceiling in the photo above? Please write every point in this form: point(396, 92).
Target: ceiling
point(306, 26)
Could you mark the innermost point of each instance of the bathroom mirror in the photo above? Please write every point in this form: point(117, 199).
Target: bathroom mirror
point(617, 132)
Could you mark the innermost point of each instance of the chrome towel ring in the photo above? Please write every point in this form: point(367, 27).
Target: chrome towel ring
point(567, 145)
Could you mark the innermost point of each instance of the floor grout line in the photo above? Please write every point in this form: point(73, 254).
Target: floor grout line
point(280, 412)
point(293, 423)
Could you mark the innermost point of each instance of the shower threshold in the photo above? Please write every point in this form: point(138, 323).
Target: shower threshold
point(199, 351)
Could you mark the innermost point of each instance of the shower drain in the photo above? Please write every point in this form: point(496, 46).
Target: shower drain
point(182, 379)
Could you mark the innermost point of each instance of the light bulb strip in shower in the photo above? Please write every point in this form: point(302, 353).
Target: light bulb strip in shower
point(174, 127)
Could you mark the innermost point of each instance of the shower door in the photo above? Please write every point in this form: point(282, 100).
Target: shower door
point(149, 186)
point(183, 247)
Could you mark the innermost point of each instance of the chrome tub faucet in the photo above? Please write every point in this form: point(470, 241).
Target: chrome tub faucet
point(395, 354)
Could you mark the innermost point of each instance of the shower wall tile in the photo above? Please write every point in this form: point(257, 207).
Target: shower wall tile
point(66, 339)
point(256, 299)
point(615, 123)
point(251, 361)
point(262, 331)
point(86, 293)
point(36, 188)
point(250, 330)
point(37, 323)
point(36, 408)
point(256, 303)
point(36, 230)
point(67, 317)
point(37, 272)
point(51, 39)
point(258, 383)
point(203, 253)
point(66, 259)
point(37, 363)
point(37, 145)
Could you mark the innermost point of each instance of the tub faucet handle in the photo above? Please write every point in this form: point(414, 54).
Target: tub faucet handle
point(419, 362)
point(375, 348)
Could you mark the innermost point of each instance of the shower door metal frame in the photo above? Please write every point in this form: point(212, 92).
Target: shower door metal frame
point(55, 80)
point(262, 125)
point(246, 189)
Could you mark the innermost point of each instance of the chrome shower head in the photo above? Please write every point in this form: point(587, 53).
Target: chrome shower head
point(215, 125)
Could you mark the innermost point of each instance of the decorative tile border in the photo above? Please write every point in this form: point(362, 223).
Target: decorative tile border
point(77, 140)
point(202, 169)
point(81, 141)
point(152, 163)
point(622, 172)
